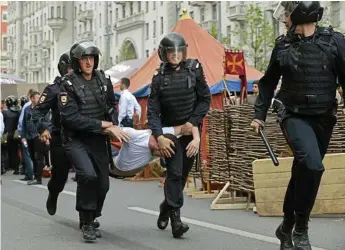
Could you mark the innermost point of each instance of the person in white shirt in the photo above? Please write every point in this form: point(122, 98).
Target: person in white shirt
point(2, 125)
point(127, 104)
point(135, 154)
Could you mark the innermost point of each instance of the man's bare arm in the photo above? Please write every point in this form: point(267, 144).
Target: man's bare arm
point(195, 132)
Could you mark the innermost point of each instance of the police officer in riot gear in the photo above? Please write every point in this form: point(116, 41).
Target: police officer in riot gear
point(23, 100)
point(309, 59)
point(49, 101)
point(11, 119)
point(86, 105)
point(179, 96)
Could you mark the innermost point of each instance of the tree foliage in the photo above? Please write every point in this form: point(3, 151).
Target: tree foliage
point(127, 52)
point(256, 37)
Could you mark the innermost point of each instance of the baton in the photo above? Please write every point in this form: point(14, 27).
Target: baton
point(268, 147)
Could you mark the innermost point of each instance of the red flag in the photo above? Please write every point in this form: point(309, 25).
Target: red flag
point(234, 65)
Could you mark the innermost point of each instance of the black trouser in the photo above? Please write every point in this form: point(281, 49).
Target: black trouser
point(91, 161)
point(127, 122)
point(178, 168)
point(12, 151)
point(36, 150)
point(308, 138)
point(60, 163)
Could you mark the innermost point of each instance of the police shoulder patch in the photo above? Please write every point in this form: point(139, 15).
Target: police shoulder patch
point(156, 73)
point(69, 82)
point(43, 97)
point(63, 98)
point(279, 38)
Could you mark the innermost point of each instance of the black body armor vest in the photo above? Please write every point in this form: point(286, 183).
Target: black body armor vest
point(309, 78)
point(177, 94)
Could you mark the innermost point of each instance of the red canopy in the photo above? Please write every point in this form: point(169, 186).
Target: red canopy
point(201, 45)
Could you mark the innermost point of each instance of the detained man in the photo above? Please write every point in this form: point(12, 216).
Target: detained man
point(136, 153)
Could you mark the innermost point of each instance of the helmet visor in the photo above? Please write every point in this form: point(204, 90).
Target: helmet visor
point(284, 10)
point(84, 49)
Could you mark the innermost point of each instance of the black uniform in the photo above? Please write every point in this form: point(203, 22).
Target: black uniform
point(61, 165)
point(177, 97)
point(11, 119)
point(81, 116)
point(310, 67)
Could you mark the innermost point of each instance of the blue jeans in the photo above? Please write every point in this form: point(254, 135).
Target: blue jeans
point(27, 162)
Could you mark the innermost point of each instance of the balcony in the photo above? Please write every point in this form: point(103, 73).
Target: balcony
point(47, 44)
point(207, 25)
point(88, 35)
point(85, 15)
point(237, 12)
point(35, 29)
point(45, 54)
point(128, 23)
point(24, 69)
point(56, 23)
point(121, 2)
point(197, 3)
point(25, 52)
point(35, 66)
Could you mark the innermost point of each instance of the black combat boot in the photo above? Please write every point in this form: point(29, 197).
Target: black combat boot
point(95, 225)
point(51, 203)
point(300, 234)
point(178, 228)
point(163, 218)
point(87, 227)
point(284, 233)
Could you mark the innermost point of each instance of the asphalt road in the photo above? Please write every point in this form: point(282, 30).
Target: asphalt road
point(129, 222)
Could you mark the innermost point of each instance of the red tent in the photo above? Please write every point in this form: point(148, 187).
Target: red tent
point(201, 45)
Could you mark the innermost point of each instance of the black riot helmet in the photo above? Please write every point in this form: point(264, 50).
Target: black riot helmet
point(173, 42)
point(23, 100)
point(64, 63)
point(300, 12)
point(12, 103)
point(83, 48)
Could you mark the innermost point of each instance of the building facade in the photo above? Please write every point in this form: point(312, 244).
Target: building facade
point(39, 32)
point(3, 39)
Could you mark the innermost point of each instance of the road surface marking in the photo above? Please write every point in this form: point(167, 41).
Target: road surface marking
point(45, 187)
point(191, 221)
point(218, 227)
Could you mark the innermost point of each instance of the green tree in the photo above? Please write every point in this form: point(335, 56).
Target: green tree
point(256, 37)
point(127, 52)
point(214, 32)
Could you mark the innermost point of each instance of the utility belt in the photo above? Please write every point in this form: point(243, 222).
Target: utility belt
point(283, 111)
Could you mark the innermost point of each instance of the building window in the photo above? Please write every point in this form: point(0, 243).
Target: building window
point(4, 43)
point(146, 6)
point(162, 3)
point(202, 14)
point(45, 18)
point(154, 5)
point(191, 14)
point(131, 8)
point(52, 12)
point(80, 28)
point(75, 12)
point(58, 10)
point(214, 12)
point(147, 53)
point(162, 25)
point(100, 20)
point(110, 17)
point(154, 29)
point(123, 11)
point(139, 7)
point(4, 16)
point(35, 57)
point(117, 14)
point(147, 31)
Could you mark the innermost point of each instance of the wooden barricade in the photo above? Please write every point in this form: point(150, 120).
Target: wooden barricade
point(270, 185)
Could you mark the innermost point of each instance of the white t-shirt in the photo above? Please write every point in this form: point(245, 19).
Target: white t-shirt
point(136, 153)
